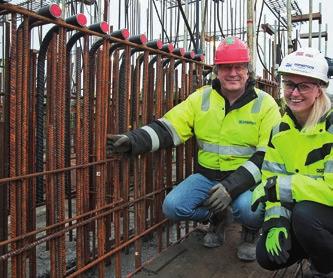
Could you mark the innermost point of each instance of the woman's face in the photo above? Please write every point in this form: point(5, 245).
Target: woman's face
point(300, 93)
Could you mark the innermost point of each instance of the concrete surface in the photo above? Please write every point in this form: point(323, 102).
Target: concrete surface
point(190, 259)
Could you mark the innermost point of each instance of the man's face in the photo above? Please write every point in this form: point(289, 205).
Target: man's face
point(233, 77)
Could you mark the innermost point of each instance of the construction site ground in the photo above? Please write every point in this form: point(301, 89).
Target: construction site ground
point(189, 258)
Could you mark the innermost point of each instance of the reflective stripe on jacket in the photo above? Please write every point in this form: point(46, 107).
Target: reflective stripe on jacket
point(226, 141)
point(302, 162)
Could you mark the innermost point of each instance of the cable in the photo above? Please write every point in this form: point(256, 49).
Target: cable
point(159, 18)
point(257, 40)
point(186, 22)
point(218, 19)
point(177, 29)
point(126, 13)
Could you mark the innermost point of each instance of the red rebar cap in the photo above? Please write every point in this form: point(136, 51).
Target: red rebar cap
point(81, 19)
point(199, 57)
point(156, 44)
point(159, 44)
point(104, 27)
point(55, 10)
point(143, 38)
point(171, 47)
point(189, 54)
point(179, 51)
point(125, 33)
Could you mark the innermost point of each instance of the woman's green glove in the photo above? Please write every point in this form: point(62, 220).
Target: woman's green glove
point(278, 244)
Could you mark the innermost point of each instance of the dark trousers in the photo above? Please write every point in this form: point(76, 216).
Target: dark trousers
point(311, 236)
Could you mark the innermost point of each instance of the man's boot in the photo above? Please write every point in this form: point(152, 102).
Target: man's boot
point(216, 232)
point(246, 250)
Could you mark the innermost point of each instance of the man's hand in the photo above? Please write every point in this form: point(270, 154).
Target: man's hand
point(264, 192)
point(119, 143)
point(278, 243)
point(219, 198)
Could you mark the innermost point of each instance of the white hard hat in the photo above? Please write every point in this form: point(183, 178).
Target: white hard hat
point(307, 62)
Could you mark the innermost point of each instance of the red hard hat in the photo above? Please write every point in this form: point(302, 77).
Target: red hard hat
point(232, 50)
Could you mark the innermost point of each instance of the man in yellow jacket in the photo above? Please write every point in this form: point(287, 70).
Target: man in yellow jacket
point(231, 121)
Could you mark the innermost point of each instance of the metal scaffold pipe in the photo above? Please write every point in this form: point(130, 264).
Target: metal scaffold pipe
point(319, 30)
point(310, 23)
point(289, 29)
point(250, 31)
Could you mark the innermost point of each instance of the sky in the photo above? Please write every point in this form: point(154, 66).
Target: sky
point(327, 18)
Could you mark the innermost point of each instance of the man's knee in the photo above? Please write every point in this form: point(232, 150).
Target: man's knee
point(168, 208)
point(243, 213)
point(174, 209)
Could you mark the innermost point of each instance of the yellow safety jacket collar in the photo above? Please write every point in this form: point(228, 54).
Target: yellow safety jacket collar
point(245, 98)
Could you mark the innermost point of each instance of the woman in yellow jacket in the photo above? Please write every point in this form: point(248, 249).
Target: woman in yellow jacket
point(297, 172)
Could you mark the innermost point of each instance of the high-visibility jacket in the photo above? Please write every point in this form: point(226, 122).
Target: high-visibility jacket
point(303, 164)
point(228, 137)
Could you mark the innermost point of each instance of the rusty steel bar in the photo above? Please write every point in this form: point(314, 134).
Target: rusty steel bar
point(13, 139)
point(169, 103)
point(50, 126)
point(124, 125)
point(158, 157)
point(60, 155)
point(112, 202)
point(55, 171)
point(182, 96)
point(115, 166)
point(90, 99)
point(117, 249)
point(136, 163)
point(189, 145)
point(62, 23)
point(68, 221)
point(121, 206)
point(4, 156)
point(25, 124)
point(82, 184)
point(99, 188)
point(31, 220)
point(3, 201)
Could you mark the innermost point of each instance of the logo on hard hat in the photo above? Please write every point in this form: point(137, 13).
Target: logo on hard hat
point(230, 40)
point(300, 67)
point(304, 66)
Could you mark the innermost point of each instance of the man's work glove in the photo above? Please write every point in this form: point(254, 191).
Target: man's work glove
point(277, 244)
point(119, 143)
point(219, 198)
point(263, 193)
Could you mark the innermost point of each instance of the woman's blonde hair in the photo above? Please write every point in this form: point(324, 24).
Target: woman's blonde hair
point(321, 106)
